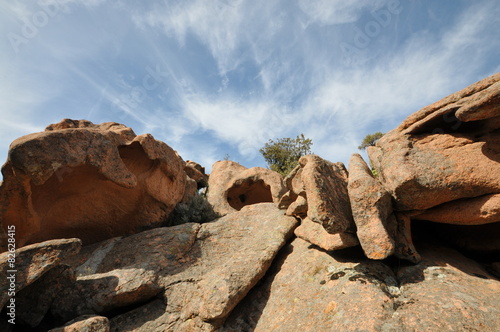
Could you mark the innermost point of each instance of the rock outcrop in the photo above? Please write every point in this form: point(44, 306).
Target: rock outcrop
point(196, 172)
point(232, 186)
point(184, 278)
point(94, 182)
point(442, 163)
point(310, 290)
point(445, 152)
point(354, 265)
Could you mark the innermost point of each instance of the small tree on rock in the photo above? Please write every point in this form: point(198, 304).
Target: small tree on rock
point(370, 140)
point(283, 154)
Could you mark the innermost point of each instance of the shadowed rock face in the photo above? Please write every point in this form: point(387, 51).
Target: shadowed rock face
point(31, 262)
point(196, 172)
point(248, 192)
point(232, 186)
point(77, 179)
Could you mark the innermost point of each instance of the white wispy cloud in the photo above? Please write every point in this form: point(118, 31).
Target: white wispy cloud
point(247, 124)
point(234, 73)
point(336, 105)
point(336, 11)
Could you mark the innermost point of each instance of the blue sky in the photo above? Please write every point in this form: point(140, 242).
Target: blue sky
point(220, 77)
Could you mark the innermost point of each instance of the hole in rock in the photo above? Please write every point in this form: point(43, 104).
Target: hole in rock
point(247, 193)
point(479, 242)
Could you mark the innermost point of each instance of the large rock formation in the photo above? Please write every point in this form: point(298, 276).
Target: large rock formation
point(442, 163)
point(310, 290)
point(245, 271)
point(200, 271)
point(445, 152)
point(77, 179)
point(232, 186)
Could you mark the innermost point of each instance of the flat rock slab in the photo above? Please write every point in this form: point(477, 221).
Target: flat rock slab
point(471, 211)
point(310, 290)
point(201, 271)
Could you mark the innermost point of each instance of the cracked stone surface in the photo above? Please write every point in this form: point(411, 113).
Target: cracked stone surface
point(87, 323)
point(123, 271)
point(311, 290)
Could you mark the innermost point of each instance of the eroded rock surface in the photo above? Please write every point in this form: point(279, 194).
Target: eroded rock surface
point(447, 151)
point(311, 290)
point(200, 272)
point(77, 179)
point(445, 292)
point(232, 186)
point(87, 323)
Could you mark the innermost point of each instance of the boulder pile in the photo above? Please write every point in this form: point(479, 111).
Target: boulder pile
point(409, 243)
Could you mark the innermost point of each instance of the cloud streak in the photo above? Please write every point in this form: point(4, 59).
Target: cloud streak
point(231, 74)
